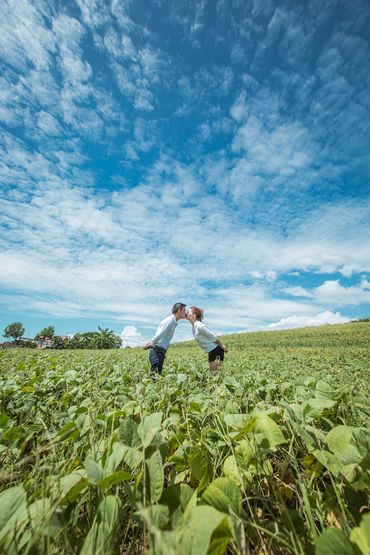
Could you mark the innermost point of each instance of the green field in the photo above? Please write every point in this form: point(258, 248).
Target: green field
point(269, 456)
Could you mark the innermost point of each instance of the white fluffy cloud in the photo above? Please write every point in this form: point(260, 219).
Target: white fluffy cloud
point(326, 317)
point(131, 337)
point(332, 293)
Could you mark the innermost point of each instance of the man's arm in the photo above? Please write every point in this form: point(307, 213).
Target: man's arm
point(161, 330)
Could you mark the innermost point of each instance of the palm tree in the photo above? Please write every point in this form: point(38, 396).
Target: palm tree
point(105, 339)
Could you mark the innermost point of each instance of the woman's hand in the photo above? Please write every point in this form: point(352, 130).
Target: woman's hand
point(225, 348)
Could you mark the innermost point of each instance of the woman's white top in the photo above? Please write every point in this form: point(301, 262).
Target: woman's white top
point(205, 338)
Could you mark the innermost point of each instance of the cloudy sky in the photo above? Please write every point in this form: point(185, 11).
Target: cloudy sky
point(209, 152)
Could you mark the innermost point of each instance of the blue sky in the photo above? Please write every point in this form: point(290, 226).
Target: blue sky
point(215, 153)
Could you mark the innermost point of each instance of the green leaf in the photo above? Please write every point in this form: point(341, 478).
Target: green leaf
point(190, 506)
point(114, 479)
point(236, 421)
point(116, 456)
point(231, 470)
point(267, 432)
point(186, 493)
point(342, 442)
point(156, 475)
point(329, 461)
point(72, 485)
point(66, 430)
point(86, 425)
point(156, 516)
point(199, 528)
point(128, 431)
point(326, 391)
point(132, 457)
point(218, 545)
point(333, 541)
point(148, 428)
point(101, 536)
point(231, 383)
point(171, 497)
point(223, 494)
point(28, 389)
point(361, 535)
point(3, 419)
point(314, 408)
point(12, 504)
point(94, 470)
point(200, 467)
point(245, 451)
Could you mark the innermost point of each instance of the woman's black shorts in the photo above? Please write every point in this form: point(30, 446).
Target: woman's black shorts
point(216, 353)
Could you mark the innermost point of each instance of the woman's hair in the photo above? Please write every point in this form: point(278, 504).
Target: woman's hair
point(198, 312)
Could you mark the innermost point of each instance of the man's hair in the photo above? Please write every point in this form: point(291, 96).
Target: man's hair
point(177, 306)
point(198, 312)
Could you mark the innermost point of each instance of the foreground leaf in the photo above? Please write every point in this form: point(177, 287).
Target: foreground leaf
point(334, 541)
point(361, 535)
point(101, 536)
point(12, 504)
point(223, 494)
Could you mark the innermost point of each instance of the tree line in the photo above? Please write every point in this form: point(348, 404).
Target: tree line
point(46, 338)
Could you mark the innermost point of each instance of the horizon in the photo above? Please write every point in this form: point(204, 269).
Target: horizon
point(216, 152)
point(262, 329)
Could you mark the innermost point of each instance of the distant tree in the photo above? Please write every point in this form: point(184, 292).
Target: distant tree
point(103, 339)
point(15, 330)
point(46, 333)
point(106, 339)
point(59, 342)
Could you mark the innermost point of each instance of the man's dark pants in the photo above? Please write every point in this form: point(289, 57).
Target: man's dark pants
point(156, 359)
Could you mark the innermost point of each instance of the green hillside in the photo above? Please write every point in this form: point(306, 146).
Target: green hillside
point(269, 456)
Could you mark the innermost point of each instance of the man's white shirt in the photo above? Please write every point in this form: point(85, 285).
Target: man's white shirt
point(165, 332)
point(205, 338)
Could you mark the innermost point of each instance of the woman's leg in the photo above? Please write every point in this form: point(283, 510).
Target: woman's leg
point(215, 365)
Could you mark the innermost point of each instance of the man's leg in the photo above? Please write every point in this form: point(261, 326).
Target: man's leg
point(154, 360)
point(161, 357)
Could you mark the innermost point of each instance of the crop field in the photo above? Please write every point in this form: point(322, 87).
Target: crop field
point(270, 456)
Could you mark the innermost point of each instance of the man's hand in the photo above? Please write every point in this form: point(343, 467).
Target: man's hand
point(225, 349)
point(147, 345)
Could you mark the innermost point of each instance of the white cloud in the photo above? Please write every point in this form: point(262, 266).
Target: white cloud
point(321, 319)
point(298, 291)
point(332, 293)
point(131, 337)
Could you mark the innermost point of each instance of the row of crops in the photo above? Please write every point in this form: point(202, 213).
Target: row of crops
point(270, 456)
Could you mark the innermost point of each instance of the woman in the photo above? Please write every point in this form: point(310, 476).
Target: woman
point(206, 339)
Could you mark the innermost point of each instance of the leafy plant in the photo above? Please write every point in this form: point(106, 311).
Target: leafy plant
point(269, 456)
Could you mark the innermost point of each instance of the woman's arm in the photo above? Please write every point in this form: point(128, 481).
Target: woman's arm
point(218, 342)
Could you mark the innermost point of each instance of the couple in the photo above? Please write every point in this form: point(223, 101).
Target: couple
point(206, 340)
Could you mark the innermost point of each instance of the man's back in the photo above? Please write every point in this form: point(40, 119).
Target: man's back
point(165, 332)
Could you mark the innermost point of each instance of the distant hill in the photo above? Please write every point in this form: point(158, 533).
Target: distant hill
point(340, 335)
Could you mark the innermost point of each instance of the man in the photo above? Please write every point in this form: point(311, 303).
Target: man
point(162, 339)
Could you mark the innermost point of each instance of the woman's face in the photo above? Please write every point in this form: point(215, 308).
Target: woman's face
point(191, 317)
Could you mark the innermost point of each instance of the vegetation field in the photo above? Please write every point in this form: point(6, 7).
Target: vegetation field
point(270, 456)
